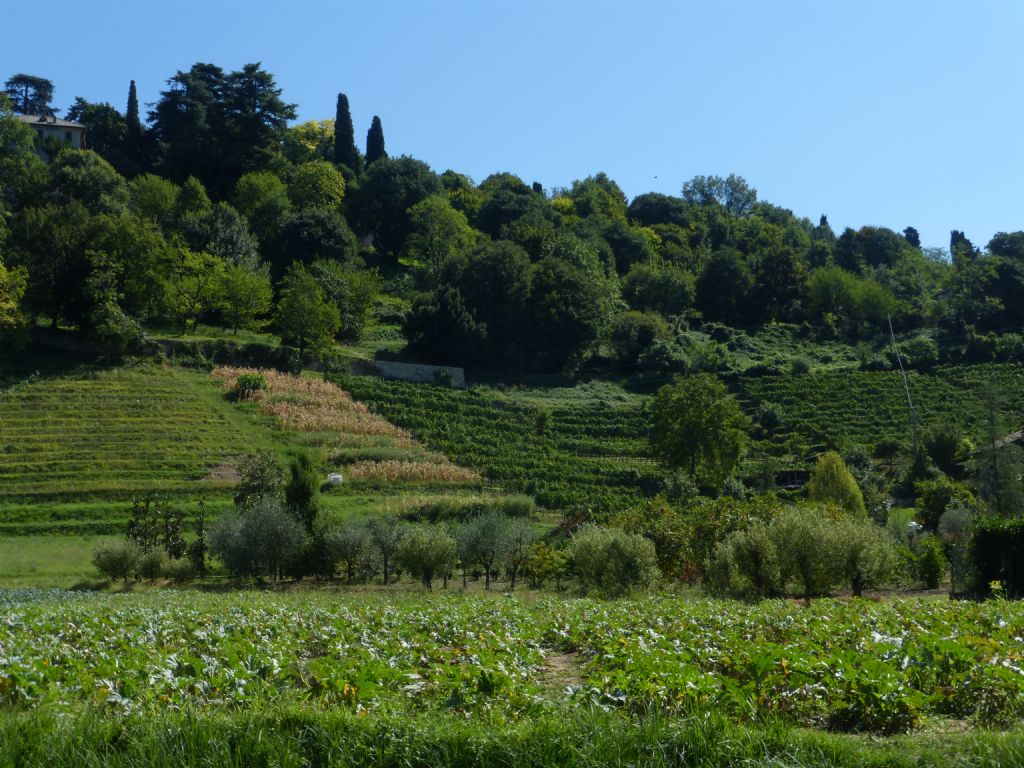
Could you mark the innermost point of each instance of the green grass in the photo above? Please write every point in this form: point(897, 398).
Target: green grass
point(46, 561)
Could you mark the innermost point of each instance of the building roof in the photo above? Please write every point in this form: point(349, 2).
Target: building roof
point(53, 122)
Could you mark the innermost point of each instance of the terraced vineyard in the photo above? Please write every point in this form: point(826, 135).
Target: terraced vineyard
point(591, 455)
point(75, 448)
point(864, 407)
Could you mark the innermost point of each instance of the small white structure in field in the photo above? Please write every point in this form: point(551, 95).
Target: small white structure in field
point(334, 478)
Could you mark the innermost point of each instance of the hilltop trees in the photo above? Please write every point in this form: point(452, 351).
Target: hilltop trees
point(375, 142)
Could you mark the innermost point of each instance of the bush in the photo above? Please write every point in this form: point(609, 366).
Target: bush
point(180, 570)
point(260, 477)
point(116, 559)
point(250, 386)
point(799, 366)
point(151, 565)
point(930, 560)
point(612, 562)
point(934, 497)
point(746, 565)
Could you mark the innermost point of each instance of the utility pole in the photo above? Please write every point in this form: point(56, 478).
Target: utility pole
point(906, 388)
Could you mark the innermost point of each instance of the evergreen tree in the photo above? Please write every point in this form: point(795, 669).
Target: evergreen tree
point(134, 138)
point(375, 142)
point(832, 481)
point(345, 152)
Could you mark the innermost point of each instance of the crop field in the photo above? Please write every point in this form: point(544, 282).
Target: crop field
point(880, 668)
point(586, 454)
point(865, 407)
point(75, 448)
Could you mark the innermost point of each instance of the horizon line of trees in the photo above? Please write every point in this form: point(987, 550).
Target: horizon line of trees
point(217, 209)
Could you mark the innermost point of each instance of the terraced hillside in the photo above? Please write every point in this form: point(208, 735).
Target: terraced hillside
point(569, 452)
point(865, 407)
point(74, 448)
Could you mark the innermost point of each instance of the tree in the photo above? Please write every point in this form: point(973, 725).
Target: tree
point(116, 559)
point(567, 311)
point(311, 234)
point(746, 564)
point(133, 124)
point(192, 284)
point(809, 550)
point(352, 290)
point(866, 552)
point(23, 176)
point(259, 477)
point(13, 320)
point(724, 286)
point(668, 289)
point(154, 198)
point(485, 540)
point(427, 551)
point(309, 141)
point(244, 297)
point(105, 128)
point(439, 231)
point(375, 143)
point(349, 545)
point(31, 95)
point(263, 199)
point(832, 482)
point(316, 184)
point(223, 232)
point(698, 426)
point(305, 317)
point(519, 540)
point(345, 152)
point(732, 194)
point(613, 562)
point(663, 526)
point(259, 541)
point(386, 533)
point(389, 188)
point(302, 490)
point(82, 175)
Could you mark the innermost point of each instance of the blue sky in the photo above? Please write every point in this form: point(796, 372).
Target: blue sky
point(891, 113)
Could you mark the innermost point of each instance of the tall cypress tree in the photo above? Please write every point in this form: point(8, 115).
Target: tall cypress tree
point(345, 151)
point(133, 140)
point(375, 142)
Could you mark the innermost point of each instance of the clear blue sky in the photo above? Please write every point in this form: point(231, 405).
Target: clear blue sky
point(870, 111)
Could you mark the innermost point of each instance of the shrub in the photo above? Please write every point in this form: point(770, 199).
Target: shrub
point(116, 559)
point(543, 562)
point(613, 562)
point(663, 526)
point(746, 565)
point(348, 546)
point(799, 366)
point(930, 560)
point(151, 565)
point(250, 386)
point(180, 570)
point(934, 497)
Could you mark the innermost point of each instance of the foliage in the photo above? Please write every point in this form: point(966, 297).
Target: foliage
point(809, 547)
point(657, 521)
point(427, 552)
point(485, 540)
point(746, 564)
point(302, 489)
point(997, 553)
point(257, 541)
point(832, 483)
point(116, 559)
point(316, 184)
point(260, 478)
point(697, 425)
point(930, 560)
point(305, 317)
point(612, 562)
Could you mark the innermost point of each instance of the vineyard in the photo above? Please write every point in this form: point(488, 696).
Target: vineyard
point(866, 407)
point(570, 456)
point(864, 667)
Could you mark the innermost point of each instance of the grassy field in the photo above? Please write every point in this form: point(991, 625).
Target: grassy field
point(447, 679)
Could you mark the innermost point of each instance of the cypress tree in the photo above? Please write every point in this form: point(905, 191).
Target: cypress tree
point(375, 142)
point(134, 137)
point(345, 152)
